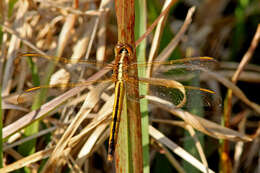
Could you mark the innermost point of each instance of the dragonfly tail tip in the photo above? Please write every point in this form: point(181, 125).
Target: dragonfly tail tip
point(109, 157)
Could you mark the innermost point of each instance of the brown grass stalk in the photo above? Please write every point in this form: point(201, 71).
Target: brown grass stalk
point(130, 124)
point(225, 159)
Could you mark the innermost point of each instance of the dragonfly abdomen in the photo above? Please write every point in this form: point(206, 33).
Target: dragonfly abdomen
point(117, 109)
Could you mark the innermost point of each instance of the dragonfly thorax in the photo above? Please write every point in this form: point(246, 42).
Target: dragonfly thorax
point(123, 52)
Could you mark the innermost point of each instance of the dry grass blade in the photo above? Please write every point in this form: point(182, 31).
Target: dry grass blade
point(161, 138)
point(158, 32)
point(237, 91)
point(239, 145)
point(234, 66)
point(228, 102)
point(155, 23)
point(254, 147)
point(72, 10)
point(103, 5)
point(198, 146)
point(46, 108)
point(13, 47)
point(23, 140)
point(174, 42)
point(29, 44)
point(200, 124)
point(40, 155)
point(74, 140)
point(82, 44)
point(252, 154)
point(246, 76)
point(65, 33)
point(101, 35)
point(247, 55)
point(90, 102)
point(89, 145)
point(14, 107)
point(26, 42)
point(104, 112)
point(191, 132)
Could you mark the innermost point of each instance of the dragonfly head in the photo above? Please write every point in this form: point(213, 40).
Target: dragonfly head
point(121, 47)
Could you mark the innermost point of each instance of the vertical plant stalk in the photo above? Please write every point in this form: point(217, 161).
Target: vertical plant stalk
point(225, 160)
point(2, 19)
point(29, 147)
point(129, 137)
point(1, 131)
point(140, 29)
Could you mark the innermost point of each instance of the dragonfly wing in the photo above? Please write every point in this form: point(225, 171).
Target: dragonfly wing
point(63, 60)
point(29, 94)
point(165, 87)
point(180, 69)
point(185, 71)
point(203, 100)
point(183, 96)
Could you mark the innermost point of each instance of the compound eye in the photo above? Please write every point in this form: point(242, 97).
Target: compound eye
point(123, 50)
point(129, 50)
point(120, 48)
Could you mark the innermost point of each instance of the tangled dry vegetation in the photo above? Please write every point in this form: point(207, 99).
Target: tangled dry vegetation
point(69, 124)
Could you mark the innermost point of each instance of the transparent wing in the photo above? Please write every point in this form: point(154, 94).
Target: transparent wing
point(59, 79)
point(187, 72)
point(202, 61)
point(195, 97)
point(63, 60)
point(29, 94)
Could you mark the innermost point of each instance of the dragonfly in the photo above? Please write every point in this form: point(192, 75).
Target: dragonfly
point(121, 78)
